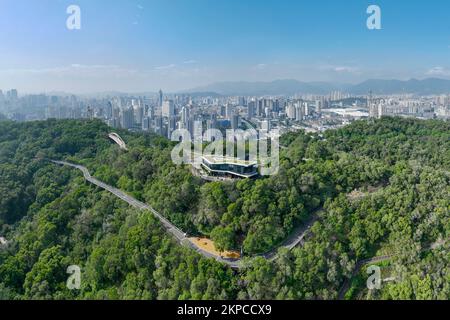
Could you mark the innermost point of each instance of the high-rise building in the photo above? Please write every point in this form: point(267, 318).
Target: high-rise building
point(127, 120)
point(250, 109)
point(191, 127)
point(160, 98)
point(13, 95)
point(90, 113)
point(116, 114)
point(109, 110)
point(235, 122)
point(171, 126)
point(298, 112)
point(146, 123)
point(214, 120)
point(184, 117)
point(229, 111)
point(223, 111)
point(159, 128)
point(259, 107)
point(371, 106)
point(276, 105)
point(138, 115)
point(305, 109)
point(319, 106)
point(291, 111)
point(381, 110)
point(9, 95)
point(151, 112)
point(168, 109)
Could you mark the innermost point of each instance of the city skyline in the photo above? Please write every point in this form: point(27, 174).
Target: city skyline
point(142, 46)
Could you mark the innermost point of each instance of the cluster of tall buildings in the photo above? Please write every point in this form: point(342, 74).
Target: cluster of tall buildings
point(163, 114)
point(8, 99)
point(409, 106)
point(298, 110)
point(11, 95)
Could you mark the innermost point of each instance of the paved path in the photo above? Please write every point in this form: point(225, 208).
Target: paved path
point(358, 267)
point(379, 259)
point(296, 238)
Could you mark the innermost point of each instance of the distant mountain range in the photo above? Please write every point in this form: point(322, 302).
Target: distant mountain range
point(291, 87)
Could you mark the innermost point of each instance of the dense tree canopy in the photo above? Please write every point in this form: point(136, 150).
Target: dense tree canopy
point(379, 188)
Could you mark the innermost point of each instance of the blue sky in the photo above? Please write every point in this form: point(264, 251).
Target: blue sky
point(142, 45)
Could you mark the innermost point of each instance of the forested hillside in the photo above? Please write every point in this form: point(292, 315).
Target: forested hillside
point(379, 188)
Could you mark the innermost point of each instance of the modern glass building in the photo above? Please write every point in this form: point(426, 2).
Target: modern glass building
point(232, 167)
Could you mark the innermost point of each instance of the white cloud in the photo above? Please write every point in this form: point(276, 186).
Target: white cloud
point(438, 71)
point(190, 62)
point(339, 68)
point(170, 66)
point(261, 66)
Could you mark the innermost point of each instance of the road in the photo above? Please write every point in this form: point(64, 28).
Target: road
point(296, 238)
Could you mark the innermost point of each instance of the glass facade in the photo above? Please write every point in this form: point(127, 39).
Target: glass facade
point(231, 168)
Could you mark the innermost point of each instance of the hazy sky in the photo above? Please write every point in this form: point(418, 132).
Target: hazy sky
point(138, 45)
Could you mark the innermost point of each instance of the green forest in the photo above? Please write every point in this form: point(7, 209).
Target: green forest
point(379, 188)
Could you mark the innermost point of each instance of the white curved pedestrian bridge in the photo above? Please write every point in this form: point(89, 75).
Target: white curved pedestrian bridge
point(117, 139)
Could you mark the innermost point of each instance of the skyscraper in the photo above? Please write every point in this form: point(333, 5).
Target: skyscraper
point(306, 109)
point(373, 112)
point(319, 105)
point(151, 112)
point(234, 122)
point(138, 115)
point(229, 112)
point(12, 95)
point(381, 110)
point(146, 124)
point(299, 112)
point(109, 110)
point(184, 115)
point(160, 102)
point(251, 109)
point(168, 108)
point(159, 125)
point(172, 126)
point(223, 111)
point(127, 120)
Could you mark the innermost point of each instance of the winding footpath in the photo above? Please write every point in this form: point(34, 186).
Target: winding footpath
point(359, 265)
point(362, 263)
point(296, 238)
